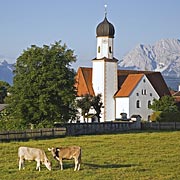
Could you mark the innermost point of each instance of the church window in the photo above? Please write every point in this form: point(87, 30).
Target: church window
point(110, 50)
point(149, 104)
point(138, 104)
point(144, 92)
point(99, 49)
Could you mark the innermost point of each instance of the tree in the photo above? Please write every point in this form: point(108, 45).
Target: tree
point(4, 86)
point(84, 103)
point(97, 105)
point(87, 101)
point(43, 89)
point(165, 104)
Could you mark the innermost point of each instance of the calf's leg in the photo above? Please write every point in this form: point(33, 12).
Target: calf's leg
point(76, 164)
point(38, 165)
point(61, 163)
point(79, 162)
point(21, 163)
point(79, 166)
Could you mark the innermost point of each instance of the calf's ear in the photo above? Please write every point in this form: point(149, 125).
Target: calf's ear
point(49, 149)
point(57, 149)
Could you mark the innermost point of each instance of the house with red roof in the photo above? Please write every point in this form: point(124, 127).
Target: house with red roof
point(123, 91)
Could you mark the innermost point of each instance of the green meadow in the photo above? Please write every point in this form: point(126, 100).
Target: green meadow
point(125, 156)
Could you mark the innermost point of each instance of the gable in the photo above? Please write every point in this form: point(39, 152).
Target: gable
point(155, 78)
point(129, 85)
point(84, 81)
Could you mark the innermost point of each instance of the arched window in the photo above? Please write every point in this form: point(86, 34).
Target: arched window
point(138, 104)
point(149, 104)
point(99, 49)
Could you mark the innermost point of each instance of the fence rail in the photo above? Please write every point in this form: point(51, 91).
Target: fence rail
point(85, 129)
point(160, 126)
point(32, 134)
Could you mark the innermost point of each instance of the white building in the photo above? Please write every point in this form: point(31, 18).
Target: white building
point(123, 91)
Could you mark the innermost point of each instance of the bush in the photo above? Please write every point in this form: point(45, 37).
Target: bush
point(169, 117)
point(155, 115)
point(11, 124)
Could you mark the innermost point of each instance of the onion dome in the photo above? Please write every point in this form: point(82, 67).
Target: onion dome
point(105, 28)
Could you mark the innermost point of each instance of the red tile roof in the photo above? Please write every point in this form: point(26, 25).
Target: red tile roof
point(177, 98)
point(84, 81)
point(177, 94)
point(155, 78)
point(129, 84)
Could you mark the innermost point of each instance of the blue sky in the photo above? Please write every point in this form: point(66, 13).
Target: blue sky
point(39, 22)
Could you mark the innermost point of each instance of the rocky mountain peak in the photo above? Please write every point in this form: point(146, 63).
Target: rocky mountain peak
point(163, 56)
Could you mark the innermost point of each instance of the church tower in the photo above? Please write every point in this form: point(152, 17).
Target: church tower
point(104, 77)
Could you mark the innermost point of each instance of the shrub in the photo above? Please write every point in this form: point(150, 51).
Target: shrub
point(169, 117)
point(155, 115)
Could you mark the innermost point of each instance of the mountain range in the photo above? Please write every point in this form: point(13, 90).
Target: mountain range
point(6, 72)
point(163, 56)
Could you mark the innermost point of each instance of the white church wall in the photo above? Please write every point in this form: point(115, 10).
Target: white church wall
point(144, 93)
point(105, 83)
point(98, 76)
point(122, 106)
point(110, 89)
point(103, 44)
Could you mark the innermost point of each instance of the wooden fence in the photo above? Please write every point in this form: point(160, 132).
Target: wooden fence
point(160, 126)
point(69, 129)
point(85, 129)
point(32, 134)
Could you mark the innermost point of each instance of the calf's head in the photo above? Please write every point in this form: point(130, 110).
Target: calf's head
point(48, 164)
point(54, 152)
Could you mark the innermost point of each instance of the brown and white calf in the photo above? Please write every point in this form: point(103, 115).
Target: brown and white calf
point(71, 152)
point(33, 154)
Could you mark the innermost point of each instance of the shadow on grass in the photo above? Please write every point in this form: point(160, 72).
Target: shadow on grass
point(95, 166)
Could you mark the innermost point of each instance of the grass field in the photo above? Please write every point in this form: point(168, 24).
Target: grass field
point(126, 156)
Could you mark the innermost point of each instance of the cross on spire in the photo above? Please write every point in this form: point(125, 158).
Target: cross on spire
point(105, 10)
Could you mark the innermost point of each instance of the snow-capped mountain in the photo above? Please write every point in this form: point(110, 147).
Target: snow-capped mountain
point(6, 72)
point(163, 56)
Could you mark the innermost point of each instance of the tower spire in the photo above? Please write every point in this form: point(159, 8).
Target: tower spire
point(105, 10)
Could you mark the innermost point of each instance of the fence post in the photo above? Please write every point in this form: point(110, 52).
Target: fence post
point(159, 126)
point(25, 134)
point(7, 135)
point(174, 125)
point(41, 132)
point(53, 132)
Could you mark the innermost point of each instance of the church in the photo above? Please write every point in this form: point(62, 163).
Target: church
point(124, 92)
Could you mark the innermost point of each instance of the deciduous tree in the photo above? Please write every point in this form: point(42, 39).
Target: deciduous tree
point(4, 86)
point(84, 103)
point(97, 105)
point(43, 87)
point(87, 101)
point(165, 104)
